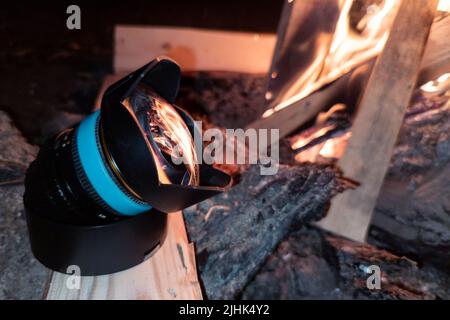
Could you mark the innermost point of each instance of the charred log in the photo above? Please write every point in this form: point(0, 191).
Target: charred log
point(235, 232)
point(21, 275)
point(413, 211)
point(231, 100)
point(311, 264)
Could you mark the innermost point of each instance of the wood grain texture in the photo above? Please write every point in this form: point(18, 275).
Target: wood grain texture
point(381, 111)
point(236, 231)
point(193, 49)
point(170, 274)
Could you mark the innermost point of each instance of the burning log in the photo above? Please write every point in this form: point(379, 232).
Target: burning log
point(304, 62)
point(311, 264)
point(292, 118)
point(315, 145)
point(305, 104)
point(374, 132)
point(411, 217)
point(235, 232)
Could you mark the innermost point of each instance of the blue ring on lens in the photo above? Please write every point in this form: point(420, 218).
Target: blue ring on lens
point(94, 167)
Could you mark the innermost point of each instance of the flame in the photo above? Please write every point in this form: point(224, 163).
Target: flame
point(335, 147)
point(348, 49)
point(441, 84)
point(444, 5)
point(303, 141)
point(353, 49)
point(332, 148)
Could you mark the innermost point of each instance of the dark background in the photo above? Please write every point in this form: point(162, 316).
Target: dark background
point(50, 75)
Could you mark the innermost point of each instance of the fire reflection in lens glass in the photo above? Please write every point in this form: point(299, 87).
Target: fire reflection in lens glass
point(175, 150)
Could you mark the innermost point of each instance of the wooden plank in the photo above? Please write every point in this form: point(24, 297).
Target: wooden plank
point(170, 274)
point(193, 49)
point(381, 111)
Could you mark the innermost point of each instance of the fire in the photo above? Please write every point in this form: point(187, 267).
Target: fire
point(444, 5)
point(349, 48)
point(440, 85)
point(325, 139)
point(334, 148)
point(353, 49)
point(303, 141)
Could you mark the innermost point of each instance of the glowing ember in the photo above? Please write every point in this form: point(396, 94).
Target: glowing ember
point(335, 147)
point(303, 141)
point(332, 148)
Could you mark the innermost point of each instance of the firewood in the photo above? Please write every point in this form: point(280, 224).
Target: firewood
point(168, 275)
point(380, 115)
point(230, 99)
point(299, 112)
point(411, 216)
point(311, 264)
point(236, 231)
point(194, 49)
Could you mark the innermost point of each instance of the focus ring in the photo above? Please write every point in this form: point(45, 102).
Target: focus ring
point(97, 177)
point(84, 181)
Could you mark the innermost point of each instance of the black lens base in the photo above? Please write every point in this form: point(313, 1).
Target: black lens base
point(97, 249)
point(67, 227)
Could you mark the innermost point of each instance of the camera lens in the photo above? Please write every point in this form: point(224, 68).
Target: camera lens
point(134, 154)
point(98, 195)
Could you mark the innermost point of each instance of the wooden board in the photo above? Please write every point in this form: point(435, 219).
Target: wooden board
point(381, 111)
point(170, 274)
point(193, 49)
